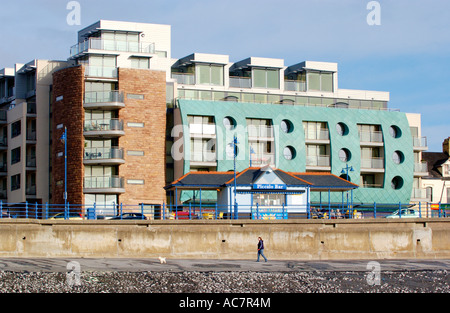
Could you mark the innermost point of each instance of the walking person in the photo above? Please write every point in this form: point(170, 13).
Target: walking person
point(261, 249)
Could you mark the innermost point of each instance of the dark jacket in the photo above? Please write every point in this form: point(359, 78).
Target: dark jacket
point(260, 245)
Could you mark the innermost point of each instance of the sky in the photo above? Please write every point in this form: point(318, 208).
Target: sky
point(407, 53)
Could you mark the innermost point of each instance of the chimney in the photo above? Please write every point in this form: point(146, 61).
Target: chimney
point(446, 146)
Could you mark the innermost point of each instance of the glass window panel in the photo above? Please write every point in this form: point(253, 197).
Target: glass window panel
point(273, 79)
point(217, 75)
point(109, 61)
point(259, 78)
point(203, 74)
point(327, 82)
point(314, 81)
point(261, 98)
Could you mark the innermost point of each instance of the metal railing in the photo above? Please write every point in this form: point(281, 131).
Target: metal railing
point(112, 45)
point(217, 212)
point(103, 153)
point(371, 136)
point(103, 125)
point(318, 160)
point(294, 85)
point(240, 82)
point(103, 182)
point(101, 71)
point(372, 163)
point(104, 96)
point(184, 78)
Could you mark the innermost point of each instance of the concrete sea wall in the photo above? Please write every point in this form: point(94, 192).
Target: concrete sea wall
point(228, 239)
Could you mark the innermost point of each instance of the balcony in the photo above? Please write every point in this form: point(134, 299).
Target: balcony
point(30, 190)
point(420, 143)
point(318, 161)
point(101, 72)
point(371, 138)
point(184, 79)
point(240, 82)
point(3, 169)
point(105, 100)
point(31, 137)
point(203, 158)
point(203, 130)
point(105, 128)
point(104, 184)
point(31, 162)
point(421, 169)
point(372, 165)
point(294, 85)
point(260, 133)
point(4, 143)
point(111, 45)
point(320, 136)
point(3, 117)
point(419, 194)
point(104, 156)
point(262, 159)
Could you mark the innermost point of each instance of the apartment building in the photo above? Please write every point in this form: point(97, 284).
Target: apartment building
point(138, 119)
point(295, 118)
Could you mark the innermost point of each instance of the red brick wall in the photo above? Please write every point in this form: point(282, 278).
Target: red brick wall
point(68, 83)
point(151, 139)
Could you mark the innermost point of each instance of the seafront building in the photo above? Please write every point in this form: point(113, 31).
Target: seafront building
point(138, 119)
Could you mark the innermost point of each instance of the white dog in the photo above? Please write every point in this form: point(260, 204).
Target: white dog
point(162, 260)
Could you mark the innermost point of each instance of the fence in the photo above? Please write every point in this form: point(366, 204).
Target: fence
point(215, 211)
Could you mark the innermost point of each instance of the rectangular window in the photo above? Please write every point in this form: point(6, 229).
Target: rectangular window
point(15, 182)
point(135, 96)
point(269, 199)
point(135, 125)
point(320, 81)
point(209, 74)
point(135, 181)
point(140, 63)
point(16, 129)
point(135, 153)
point(15, 155)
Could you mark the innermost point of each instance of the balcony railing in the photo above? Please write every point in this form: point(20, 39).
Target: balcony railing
point(420, 142)
point(372, 163)
point(30, 190)
point(3, 117)
point(371, 136)
point(203, 129)
point(103, 182)
point(203, 156)
point(322, 134)
point(112, 45)
point(184, 78)
point(318, 160)
point(294, 85)
point(262, 159)
point(419, 193)
point(240, 82)
point(103, 125)
point(31, 161)
point(103, 153)
point(103, 97)
point(260, 131)
point(31, 136)
point(421, 167)
point(101, 71)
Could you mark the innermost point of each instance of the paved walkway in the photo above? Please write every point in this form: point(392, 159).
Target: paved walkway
point(176, 265)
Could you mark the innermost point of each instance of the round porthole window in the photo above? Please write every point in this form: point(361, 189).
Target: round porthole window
point(395, 132)
point(229, 123)
point(289, 153)
point(286, 126)
point(344, 155)
point(397, 183)
point(341, 129)
point(398, 157)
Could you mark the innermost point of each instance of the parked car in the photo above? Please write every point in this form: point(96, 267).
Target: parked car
point(130, 216)
point(405, 213)
point(70, 216)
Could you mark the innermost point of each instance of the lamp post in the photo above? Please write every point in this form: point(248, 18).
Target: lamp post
point(64, 139)
point(345, 170)
point(234, 145)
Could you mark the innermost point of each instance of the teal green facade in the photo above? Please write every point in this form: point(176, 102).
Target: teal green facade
point(297, 115)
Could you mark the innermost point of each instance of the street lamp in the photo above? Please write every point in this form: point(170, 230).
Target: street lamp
point(234, 146)
point(64, 140)
point(347, 169)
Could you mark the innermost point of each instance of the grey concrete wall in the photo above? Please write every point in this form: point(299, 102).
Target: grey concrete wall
point(228, 239)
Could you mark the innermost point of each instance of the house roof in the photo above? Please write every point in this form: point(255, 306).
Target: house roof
point(435, 161)
point(214, 180)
